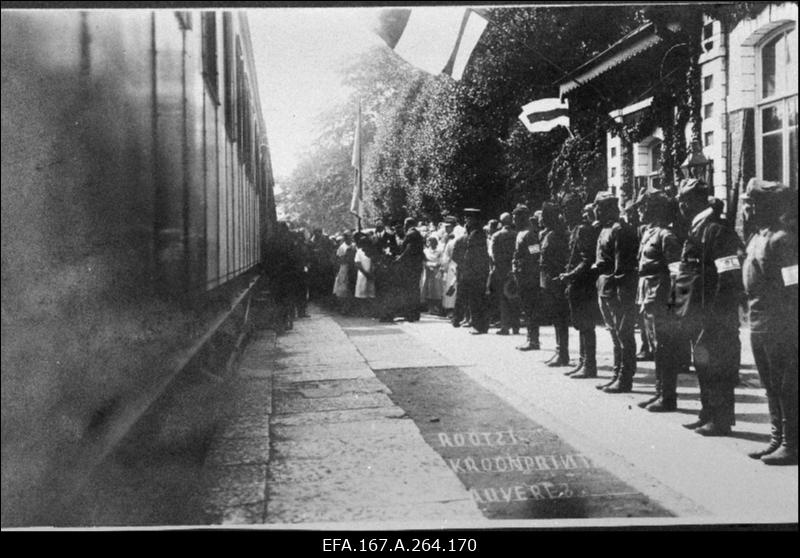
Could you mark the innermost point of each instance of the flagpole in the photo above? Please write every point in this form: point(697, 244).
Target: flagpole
point(360, 178)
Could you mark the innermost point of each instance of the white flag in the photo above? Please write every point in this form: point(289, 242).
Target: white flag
point(437, 40)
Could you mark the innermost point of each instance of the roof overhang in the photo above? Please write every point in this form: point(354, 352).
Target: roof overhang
point(634, 43)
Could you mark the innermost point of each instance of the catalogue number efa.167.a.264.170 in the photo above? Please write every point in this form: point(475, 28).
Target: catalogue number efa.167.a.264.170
point(399, 544)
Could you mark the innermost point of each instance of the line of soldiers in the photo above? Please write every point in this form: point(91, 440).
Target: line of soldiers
point(684, 273)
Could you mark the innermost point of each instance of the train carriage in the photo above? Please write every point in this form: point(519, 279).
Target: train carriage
point(137, 198)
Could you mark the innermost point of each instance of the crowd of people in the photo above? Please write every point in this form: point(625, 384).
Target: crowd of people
point(673, 265)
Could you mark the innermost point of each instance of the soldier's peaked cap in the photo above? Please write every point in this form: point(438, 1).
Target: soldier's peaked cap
point(763, 190)
point(604, 198)
point(692, 186)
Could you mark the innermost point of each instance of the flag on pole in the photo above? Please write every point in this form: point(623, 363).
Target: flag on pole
point(357, 201)
point(543, 115)
point(437, 40)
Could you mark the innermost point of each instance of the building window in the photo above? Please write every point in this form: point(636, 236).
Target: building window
point(228, 63)
point(708, 139)
point(708, 82)
point(708, 33)
point(613, 151)
point(708, 111)
point(613, 172)
point(654, 178)
point(776, 116)
point(209, 54)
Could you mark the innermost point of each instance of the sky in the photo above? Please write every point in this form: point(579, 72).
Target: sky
point(299, 53)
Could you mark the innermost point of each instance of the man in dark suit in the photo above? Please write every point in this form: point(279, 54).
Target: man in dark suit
point(476, 272)
point(503, 242)
point(409, 267)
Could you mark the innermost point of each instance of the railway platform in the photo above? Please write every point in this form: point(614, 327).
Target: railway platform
point(346, 423)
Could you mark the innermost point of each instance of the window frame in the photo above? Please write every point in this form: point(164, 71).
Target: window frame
point(781, 98)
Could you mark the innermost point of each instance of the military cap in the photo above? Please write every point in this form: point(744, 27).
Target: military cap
point(651, 194)
point(692, 186)
point(604, 198)
point(472, 211)
point(762, 191)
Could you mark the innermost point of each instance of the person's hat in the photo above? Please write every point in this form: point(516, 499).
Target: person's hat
point(521, 209)
point(409, 222)
point(450, 220)
point(605, 198)
point(689, 186)
point(505, 219)
point(472, 211)
point(765, 191)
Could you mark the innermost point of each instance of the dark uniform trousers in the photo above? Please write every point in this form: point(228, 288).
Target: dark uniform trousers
point(529, 295)
point(776, 359)
point(717, 357)
point(460, 308)
point(619, 315)
point(509, 309)
point(583, 309)
point(663, 332)
point(478, 302)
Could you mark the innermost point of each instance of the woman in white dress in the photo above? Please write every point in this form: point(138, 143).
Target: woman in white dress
point(365, 283)
point(432, 278)
point(450, 267)
point(341, 287)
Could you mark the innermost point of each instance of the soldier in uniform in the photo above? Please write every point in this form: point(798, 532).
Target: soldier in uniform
point(461, 309)
point(476, 273)
point(525, 266)
point(659, 253)
point(502, 249)
point(770, 282)
point(553, 261)
point(616, 265)
point(706, 297)
point(579, 280)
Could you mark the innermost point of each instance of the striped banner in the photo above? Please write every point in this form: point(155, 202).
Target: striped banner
point(436, 40)
point(543, 115)
point(357, 201)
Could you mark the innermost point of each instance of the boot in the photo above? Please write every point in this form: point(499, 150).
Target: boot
point(787, 453)
point(613, 379)
point(577, 369)
point(623, 384)
point(589, 371)
point(702, 419)
point(663, 405)
point(656, 396)
point(720, 423)
point(776, 432)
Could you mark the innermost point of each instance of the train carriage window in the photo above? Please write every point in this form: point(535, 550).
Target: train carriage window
point(228, 77)
point(209, 54)
point(184, 19)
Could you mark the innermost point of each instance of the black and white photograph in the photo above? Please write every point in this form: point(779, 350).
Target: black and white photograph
point(405, 272)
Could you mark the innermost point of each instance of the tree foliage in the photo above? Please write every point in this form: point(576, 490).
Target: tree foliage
point(435, 145)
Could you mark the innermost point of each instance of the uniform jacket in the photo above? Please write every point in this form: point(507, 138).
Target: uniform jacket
point(770, 281)
point(582, 252)
point(553, 259)
point(476, 257)
point(616, 260)
point(503, 243)
point(717, 293)
point(525, 263)
point(658, 248)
